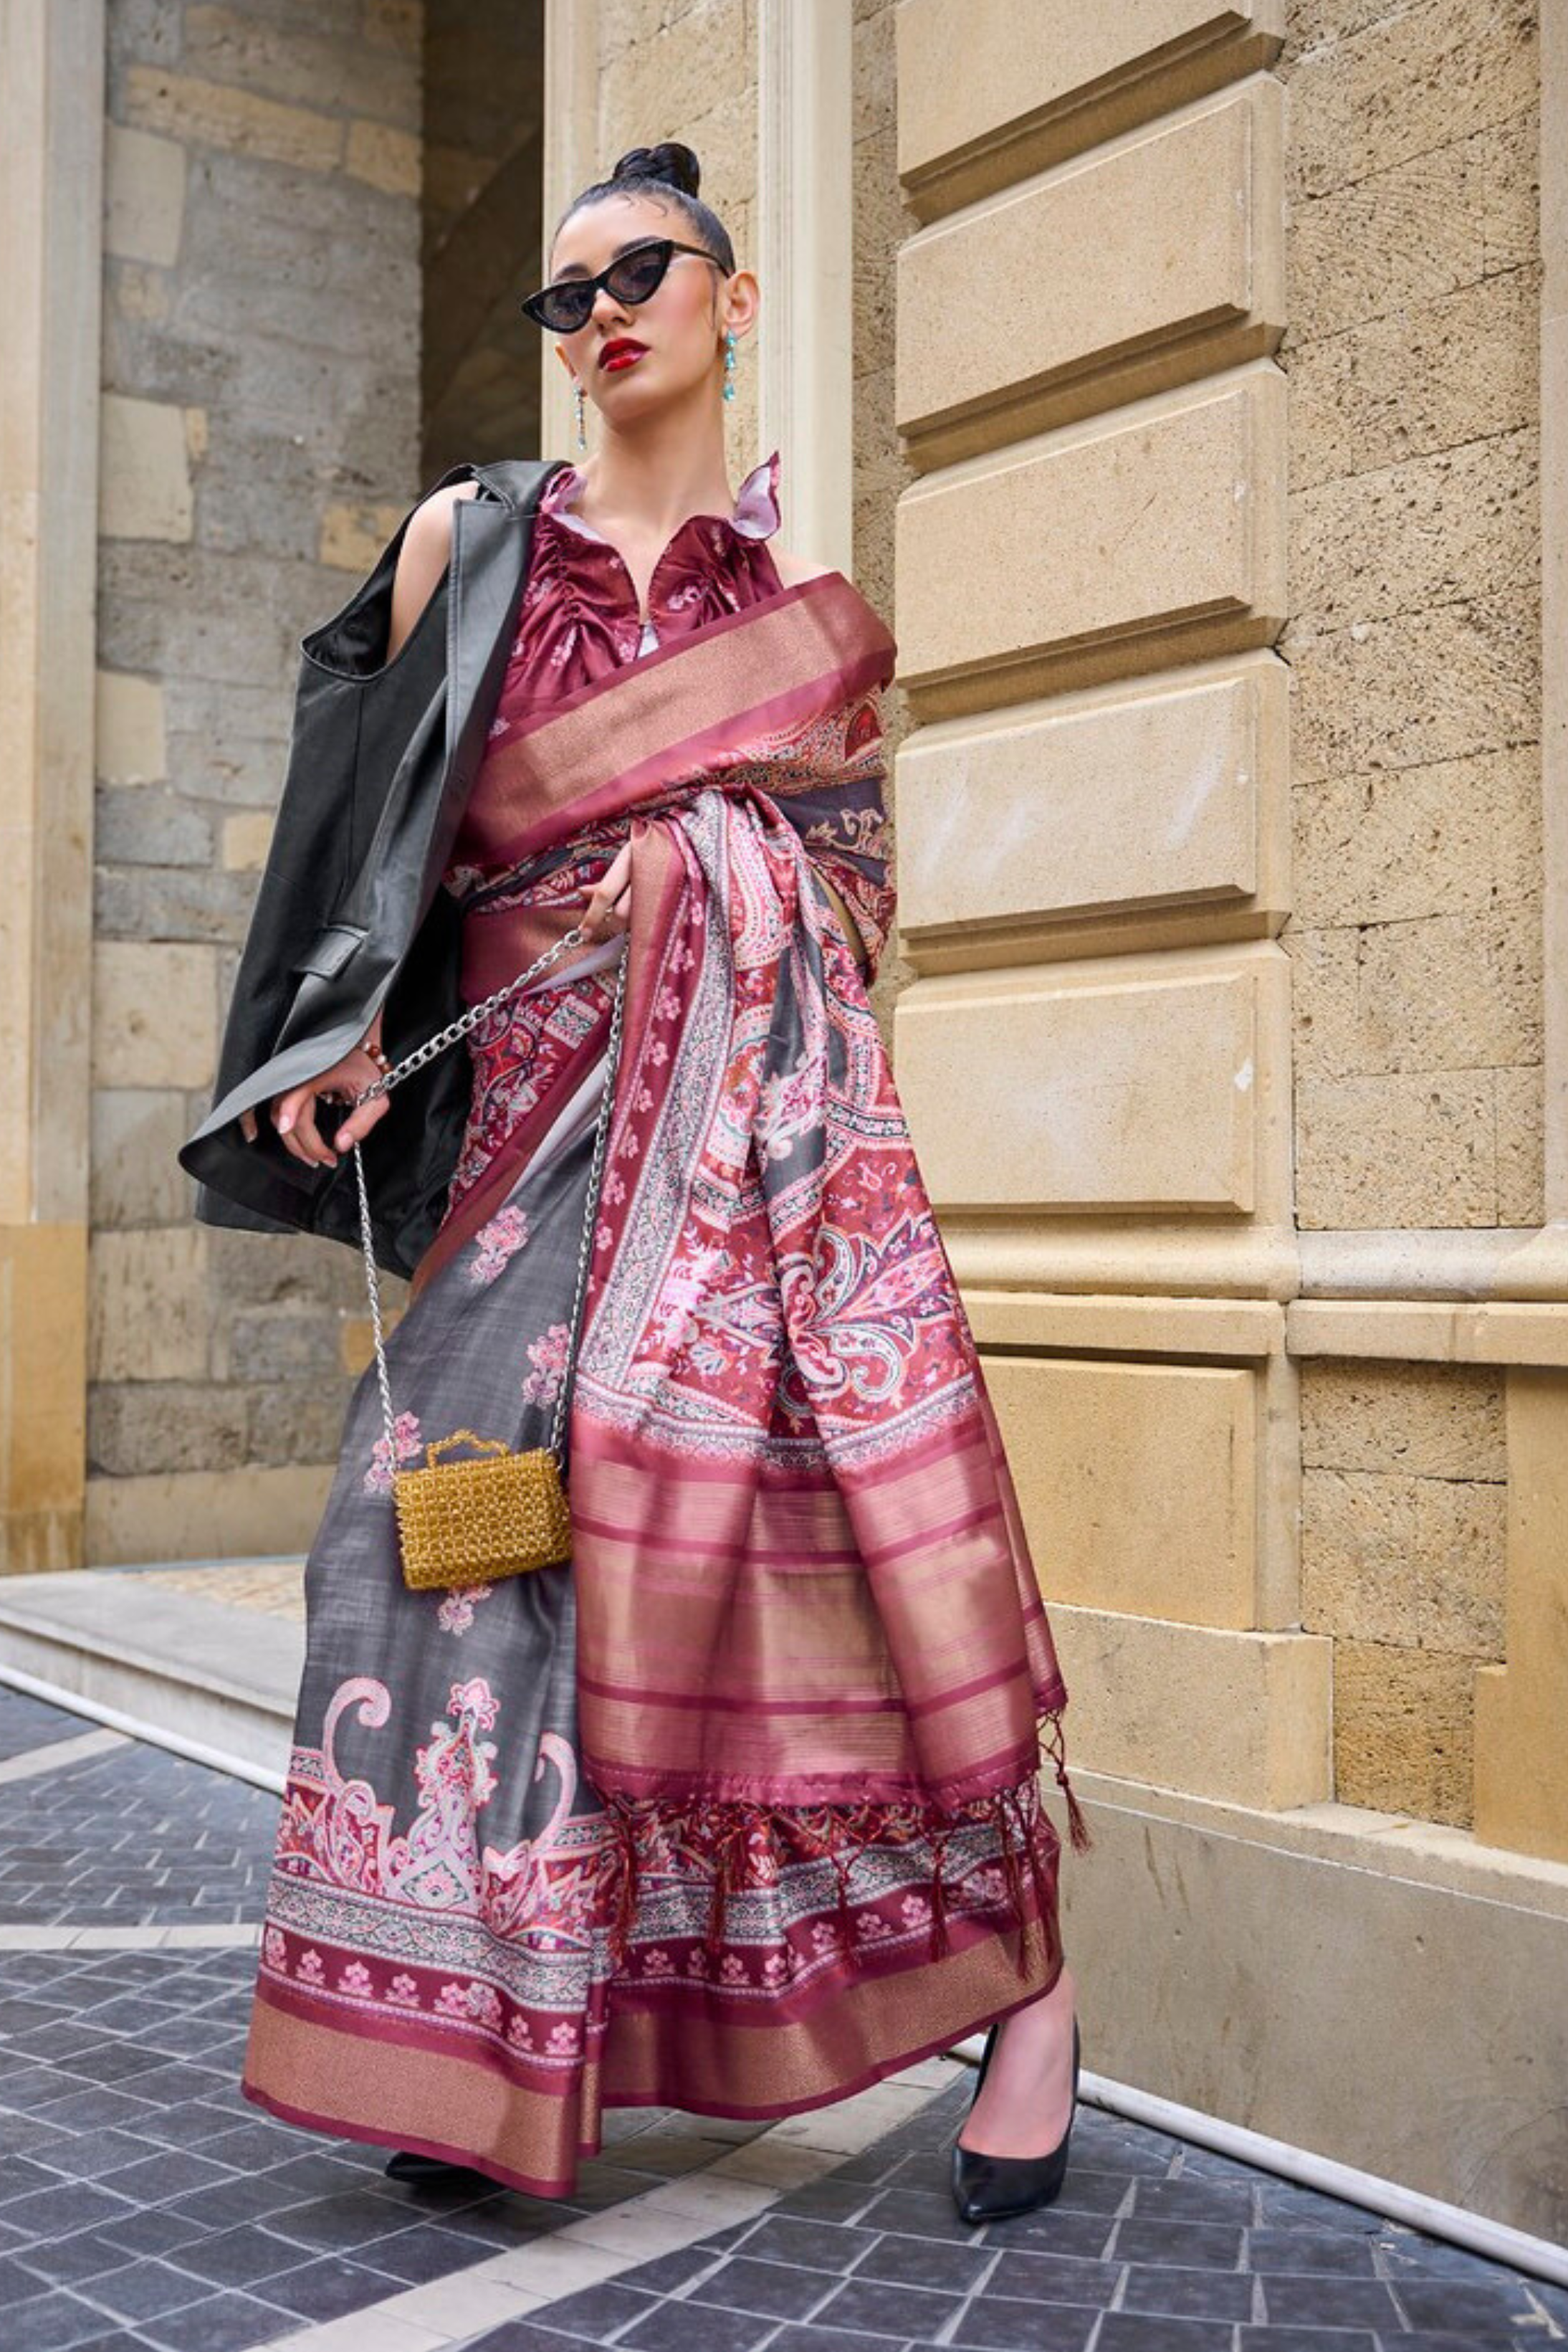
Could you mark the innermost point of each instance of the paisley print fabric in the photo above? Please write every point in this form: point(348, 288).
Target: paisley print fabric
point(739, 1809)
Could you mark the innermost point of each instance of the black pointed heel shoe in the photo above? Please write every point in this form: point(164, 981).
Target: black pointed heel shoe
point(995, 2188)
point(428, 2171)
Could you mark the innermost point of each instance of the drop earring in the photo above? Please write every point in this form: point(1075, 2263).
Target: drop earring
point(581, 412)
point(728, 363)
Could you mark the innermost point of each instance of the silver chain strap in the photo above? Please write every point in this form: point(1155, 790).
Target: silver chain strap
point(416, 1061)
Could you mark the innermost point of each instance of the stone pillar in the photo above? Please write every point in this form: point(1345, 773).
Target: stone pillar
point(1093, 814)
point(51, 170)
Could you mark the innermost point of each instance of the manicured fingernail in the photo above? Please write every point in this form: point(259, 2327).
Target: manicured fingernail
point(286, 1122)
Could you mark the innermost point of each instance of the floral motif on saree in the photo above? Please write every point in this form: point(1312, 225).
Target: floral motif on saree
point(742, 1810)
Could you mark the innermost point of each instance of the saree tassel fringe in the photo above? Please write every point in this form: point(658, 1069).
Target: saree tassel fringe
point(627, 1883)
point(739, 1844)
point(940, 1939)
point(1077, 1827)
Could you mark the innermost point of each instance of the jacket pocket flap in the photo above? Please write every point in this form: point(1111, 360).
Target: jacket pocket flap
point(330, 949)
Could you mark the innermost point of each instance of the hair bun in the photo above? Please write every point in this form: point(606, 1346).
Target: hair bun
point(668, 161)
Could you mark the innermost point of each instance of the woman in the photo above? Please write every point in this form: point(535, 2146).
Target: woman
point(739, 1811)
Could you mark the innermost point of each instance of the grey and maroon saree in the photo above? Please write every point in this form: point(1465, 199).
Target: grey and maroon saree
point(740, 1811)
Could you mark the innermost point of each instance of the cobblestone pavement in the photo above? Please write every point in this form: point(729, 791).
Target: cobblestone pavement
point(144, 2203)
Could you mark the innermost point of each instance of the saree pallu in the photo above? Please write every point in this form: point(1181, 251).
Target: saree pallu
point(740, 1810)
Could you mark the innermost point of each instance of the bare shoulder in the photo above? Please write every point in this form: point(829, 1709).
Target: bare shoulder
point(422, 558)
point(793, 569)
point(430, 525)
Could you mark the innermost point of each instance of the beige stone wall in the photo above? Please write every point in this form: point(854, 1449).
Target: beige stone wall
point(1414, 631)
point(260, 436)
point(1417, 936)
point(686, 69)
point(1233, 859)
point(1403, 1527)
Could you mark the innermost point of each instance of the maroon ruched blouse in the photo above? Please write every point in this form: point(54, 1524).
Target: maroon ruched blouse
point(579, 617)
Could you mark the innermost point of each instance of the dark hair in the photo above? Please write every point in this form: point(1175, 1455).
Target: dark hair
point(669, 170)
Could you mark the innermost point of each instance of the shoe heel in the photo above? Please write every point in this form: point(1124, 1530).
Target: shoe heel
point(996, 2187)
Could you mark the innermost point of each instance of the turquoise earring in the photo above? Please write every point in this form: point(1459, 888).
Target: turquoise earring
point(728, 363)
point(581, 412)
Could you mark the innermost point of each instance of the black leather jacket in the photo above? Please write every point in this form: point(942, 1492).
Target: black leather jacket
point(351, 913)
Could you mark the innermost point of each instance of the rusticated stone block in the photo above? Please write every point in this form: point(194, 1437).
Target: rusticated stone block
point(1138, 1482)
point(1422, 1421)
point(1097, 803)
point(154, 1014)
point(1403, 1729)
point(142, 1427)
point(136, 1178)
point(147, 1304)
point(1141, 1093)
point(1400, 1149)
point(1413, 1561)
point(1178, 226)
point(144, 470)
point(207, 113)
point(144, 195)
point(298, 1421)
point(1173, 509)
point(1396, 846)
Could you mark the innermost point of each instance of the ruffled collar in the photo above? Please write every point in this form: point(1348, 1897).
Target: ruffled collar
point(755, 514)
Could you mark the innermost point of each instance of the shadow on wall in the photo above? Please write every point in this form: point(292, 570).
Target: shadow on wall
point(482, 230)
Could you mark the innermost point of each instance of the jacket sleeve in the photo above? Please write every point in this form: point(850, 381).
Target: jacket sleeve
point(349, 705)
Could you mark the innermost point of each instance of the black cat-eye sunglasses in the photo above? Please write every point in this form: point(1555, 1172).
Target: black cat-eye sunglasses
point(631, 276)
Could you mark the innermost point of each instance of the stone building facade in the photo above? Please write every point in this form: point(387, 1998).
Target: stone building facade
point(1188, 385)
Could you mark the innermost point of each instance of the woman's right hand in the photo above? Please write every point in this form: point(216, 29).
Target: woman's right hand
point(294, 1114)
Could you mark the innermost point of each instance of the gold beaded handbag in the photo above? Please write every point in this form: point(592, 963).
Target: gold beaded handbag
point(497, 1512)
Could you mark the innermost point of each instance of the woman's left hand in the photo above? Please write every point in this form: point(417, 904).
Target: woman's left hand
point(609, 907)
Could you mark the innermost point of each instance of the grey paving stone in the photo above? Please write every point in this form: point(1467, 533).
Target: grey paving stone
point(808, 2336)
point(780, 2289)
point(82, 2255)
point(120, 2339)
point(1329, 2302)
point(882, 2308)
point(908, 2212)
point(935, 2261)
point(1312, 2250)
point(68, 2205)
point(1079, 2237)
point(329, 2287)
point(145, 2289)
point(689, 2327)
point(1449, 2304)
point(144, 2202)
point(1123, 2331)
point(60, 2319)
point(999, 2324)
point(782, 2239)
point(27, 1723)
point(1188, 2293)
point(596, 2313)
point(153, 2232)
point(1053, 2278)
point(339, 2223)
point(19, 2283)
point(832, 2200)
point(1309, 2339)
point(1182, 2199)
point(1421, 2340)
point(423, 2251)
point(222, 2323)
point(668, 2274)
point(1209, 2243)
point(156, 2179)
